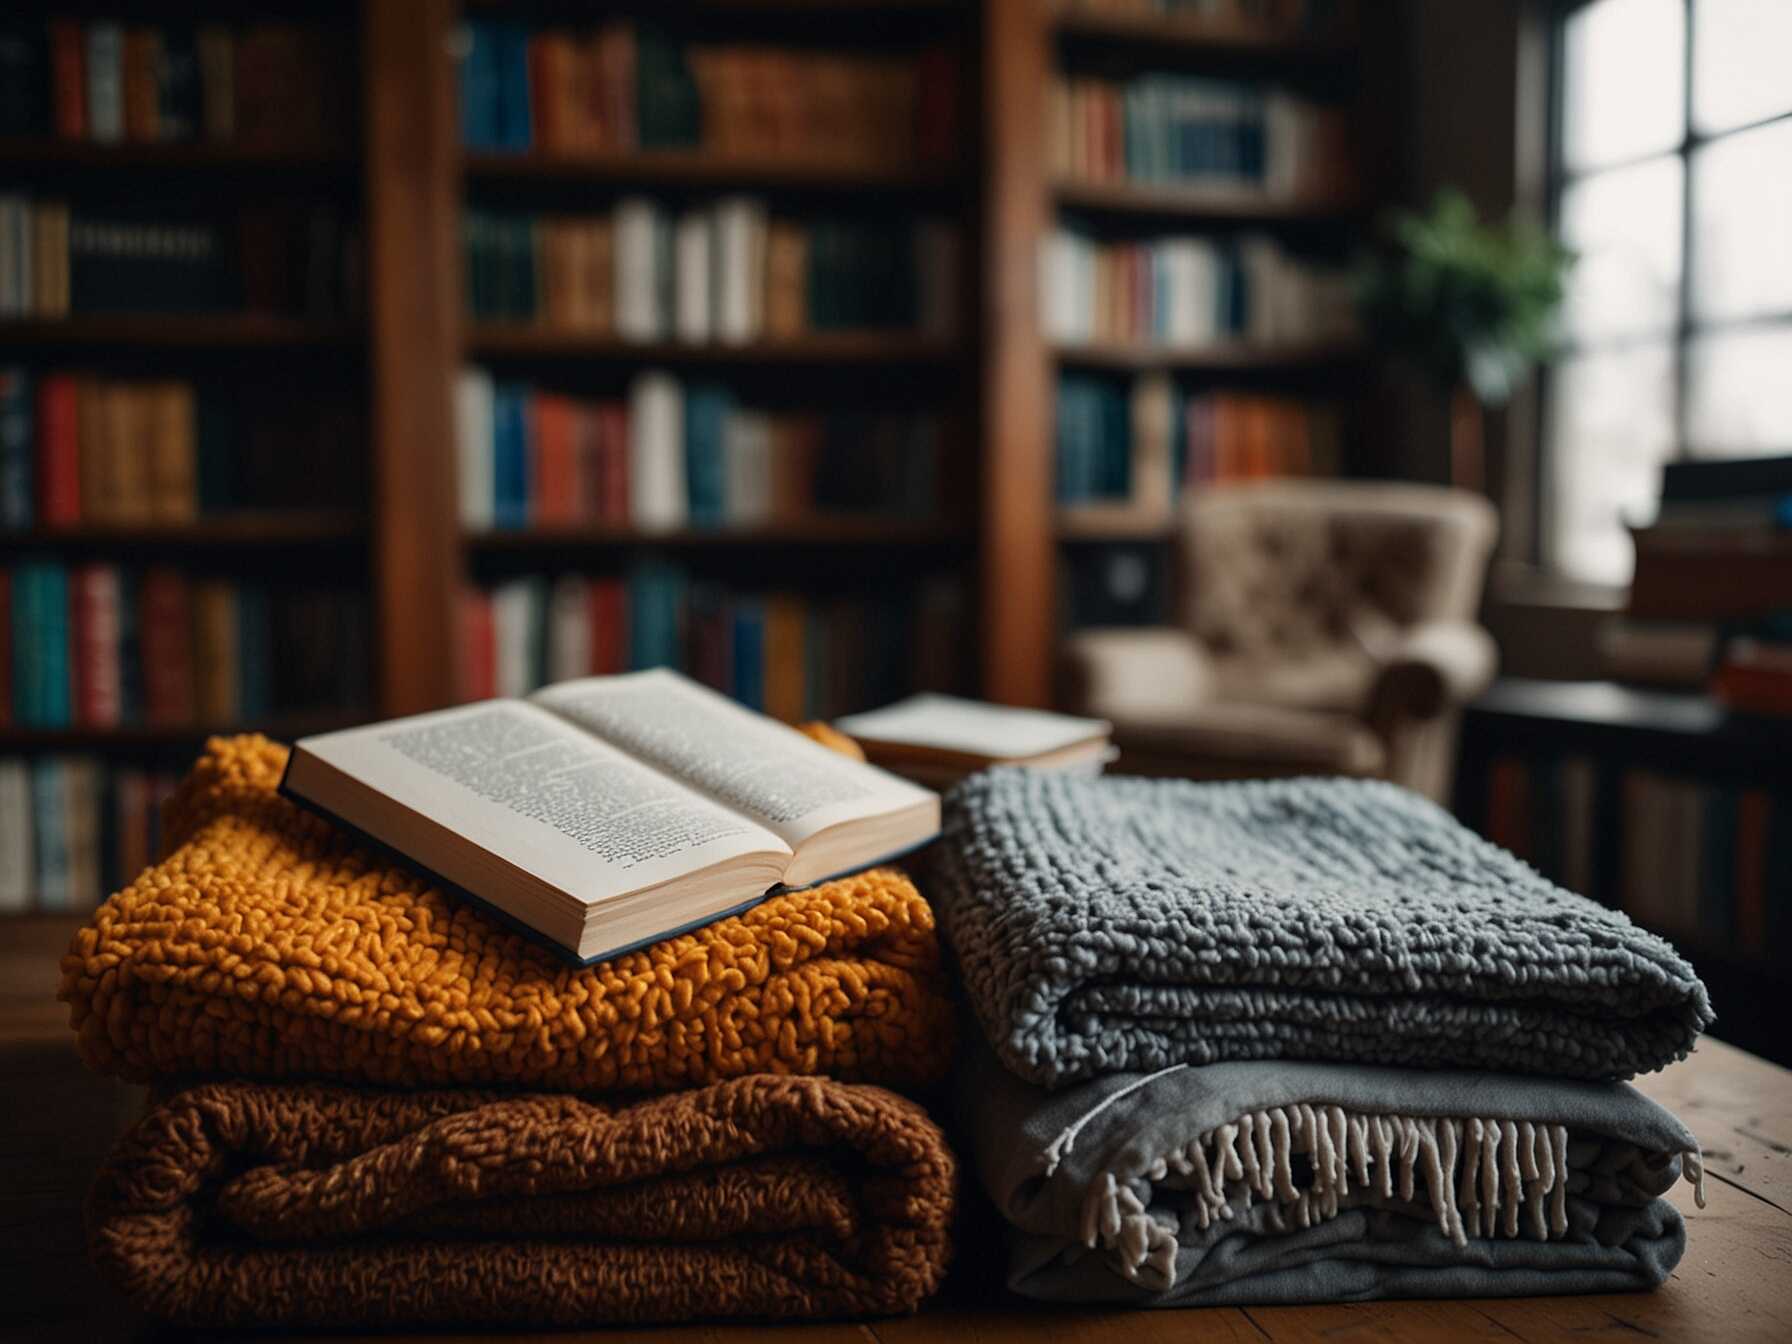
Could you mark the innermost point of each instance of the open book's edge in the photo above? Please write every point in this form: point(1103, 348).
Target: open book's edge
point(534, 934)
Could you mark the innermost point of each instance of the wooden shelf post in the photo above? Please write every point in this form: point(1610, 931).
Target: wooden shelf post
point(413, 213)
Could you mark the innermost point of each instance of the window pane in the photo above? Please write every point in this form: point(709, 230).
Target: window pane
point(1625, 226)
point(1739, 62)
point(1742, 224)
point(1739, 392)
point(1623, 80)
point(1610, 427)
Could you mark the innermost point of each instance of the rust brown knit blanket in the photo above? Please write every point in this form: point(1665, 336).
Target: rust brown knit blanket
point(250, 1204)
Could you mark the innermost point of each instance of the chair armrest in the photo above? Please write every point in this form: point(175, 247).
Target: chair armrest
point(1435, 667)
point(1127, 672)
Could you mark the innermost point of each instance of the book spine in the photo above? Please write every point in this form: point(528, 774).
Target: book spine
point(68, 73)
point(17, 447)
point(104, 65)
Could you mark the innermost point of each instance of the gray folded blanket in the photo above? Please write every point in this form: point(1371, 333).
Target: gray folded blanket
point(1264, 1183)
point(1113, 924)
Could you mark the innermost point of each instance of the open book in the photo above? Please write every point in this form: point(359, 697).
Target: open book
point(612, 811)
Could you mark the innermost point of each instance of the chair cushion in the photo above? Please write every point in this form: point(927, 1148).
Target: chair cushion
point(1268, 735)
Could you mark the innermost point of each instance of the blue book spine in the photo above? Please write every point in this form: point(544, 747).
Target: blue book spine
point(16, 440)
point(478, 88)
point(705, 424)
point(58, 679)
point(255, 654)
point(747, 659)
point(511, 447)
point(656, 601)
point(49, 833)
point(516, 131)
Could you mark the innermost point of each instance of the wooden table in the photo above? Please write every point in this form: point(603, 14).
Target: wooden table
point(1734, 1285)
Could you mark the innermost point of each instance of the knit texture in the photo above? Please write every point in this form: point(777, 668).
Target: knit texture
point(1117, 924)
point(305, 1205)
point(271, 945)
point(1272, 1182)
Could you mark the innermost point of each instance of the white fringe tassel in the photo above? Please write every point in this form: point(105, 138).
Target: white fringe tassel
point(1483, 1178)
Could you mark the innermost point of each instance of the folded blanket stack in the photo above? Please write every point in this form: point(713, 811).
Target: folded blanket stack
point(1286, 1041)
point(341, 1171)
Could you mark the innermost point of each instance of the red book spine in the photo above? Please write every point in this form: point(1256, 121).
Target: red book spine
point(68, 76)
point(58, 452)
point(609, 626)
point(479, 646)
point(167, 639)
point(615, 453)
point(581, 501)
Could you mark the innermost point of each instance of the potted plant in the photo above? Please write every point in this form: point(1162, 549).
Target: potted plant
point(1472, 305)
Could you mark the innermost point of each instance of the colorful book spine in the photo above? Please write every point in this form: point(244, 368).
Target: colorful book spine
point(73, 828)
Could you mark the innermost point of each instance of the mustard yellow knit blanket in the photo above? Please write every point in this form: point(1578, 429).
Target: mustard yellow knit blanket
point(270, 945)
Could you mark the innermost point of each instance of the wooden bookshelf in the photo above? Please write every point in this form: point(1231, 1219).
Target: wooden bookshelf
point(698, 168)
point(497, 340)
point(818, 531)
point(1221, 357)
point(1201, 204)
point(180, 331)
point(235, 531)
point(171, 156)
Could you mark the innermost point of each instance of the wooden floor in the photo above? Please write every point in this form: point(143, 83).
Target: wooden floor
point(1735, 1284)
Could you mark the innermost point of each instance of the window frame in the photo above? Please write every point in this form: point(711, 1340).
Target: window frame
point(1685, 329)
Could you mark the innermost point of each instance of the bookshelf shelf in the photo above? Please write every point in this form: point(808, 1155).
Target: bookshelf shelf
point(1225, 356)
point(1201, 203)
point(700, 168)
point(487, 339)
point(1196, 36)
point(177, 156)
point(229, 531)
point(808, 532)
point(180, 331)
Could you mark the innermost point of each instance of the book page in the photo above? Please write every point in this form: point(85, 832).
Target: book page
point(570, 809)
point(792, 786)
point(947, 723)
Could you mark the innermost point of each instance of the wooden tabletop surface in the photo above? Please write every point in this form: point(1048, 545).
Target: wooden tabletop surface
point(1734, 1285)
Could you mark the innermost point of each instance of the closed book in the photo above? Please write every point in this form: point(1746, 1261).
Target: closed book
point(166, 622)
point(141, 69)
point(514, 635)
point(131, 409)
point(747, 453)
point(668, 111)
point(48, 645)
point(16, 875)
point(569, 629)
point(68, 79)
point(81, 794)
point(516, 130)
point(49, 838)
point(639, 316)
point(474, 447)
point(511, 486)
point(656, 608)
point(708, 637)
point(217, 81)
point(280, 69)
point(608, 618)
point(551, 56)
point(597, 275)
point(104, 67)
point(94, 634)
point(740, 243)
point(479, 116)
point(786, 279)
point(617, 85)
point(215, 653)
point(784, 679)
point(478, 646)
point(128, 647)
point(656, 459)
point(937, 277)
point(173, 436)
point(17, 447)
point(1707, 479)
point(693, 318)
point(707, 407)
point(555, 496)
point(180, 99)
point(23, 672)
point(747, 653)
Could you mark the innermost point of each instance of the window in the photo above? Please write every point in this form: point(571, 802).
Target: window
point(1672, 178)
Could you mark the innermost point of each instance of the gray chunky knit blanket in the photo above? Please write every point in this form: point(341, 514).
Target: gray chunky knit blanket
point(1110, 924)
point(1262, 1183)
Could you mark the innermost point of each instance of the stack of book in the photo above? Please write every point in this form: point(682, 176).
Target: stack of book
point(1694, 858)
point(622, 87)
point(937, 740)
point(1714, 566)
point(726, 271)
point(76, 449)
point(1127, 448)
point(1188, 292)
point(57, 260)
point(676, 454)
point(109, 82)
point(1175, 129)
point(99, 646)
point(794, 656)
point(73, 828)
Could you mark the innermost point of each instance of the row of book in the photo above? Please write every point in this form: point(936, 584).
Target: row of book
point(1140, 442)
point(793, 656)
point(728, 272)
point(675, 454)
point(73, 828)
point(58, 259)
point(1696, 859)
point(622, 87)
point(257, 84)
point(77, 448)
point(1185, 292)
point(1287, 17)
point(100, 646)
point(1172, 129)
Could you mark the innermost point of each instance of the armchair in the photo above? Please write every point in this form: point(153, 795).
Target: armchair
point(1321, 627)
